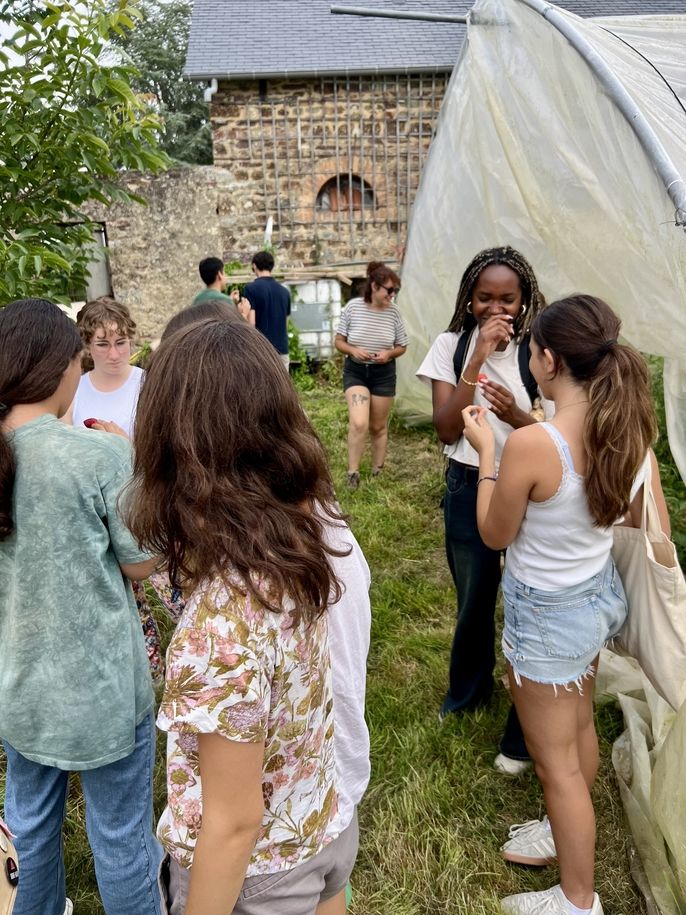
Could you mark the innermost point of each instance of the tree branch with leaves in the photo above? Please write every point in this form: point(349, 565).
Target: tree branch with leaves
point(71, 124)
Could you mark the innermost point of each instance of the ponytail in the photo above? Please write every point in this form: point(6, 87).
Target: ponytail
point(37, 343)
point(620, 426)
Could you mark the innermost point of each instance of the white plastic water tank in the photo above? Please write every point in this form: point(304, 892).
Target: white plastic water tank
point(307, 292)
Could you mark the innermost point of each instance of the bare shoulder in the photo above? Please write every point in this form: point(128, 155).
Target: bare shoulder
point(529, 438)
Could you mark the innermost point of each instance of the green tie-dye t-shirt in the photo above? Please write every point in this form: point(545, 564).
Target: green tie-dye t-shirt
point(74, 677)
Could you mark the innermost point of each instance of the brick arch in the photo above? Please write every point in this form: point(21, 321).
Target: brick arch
point(342, 191)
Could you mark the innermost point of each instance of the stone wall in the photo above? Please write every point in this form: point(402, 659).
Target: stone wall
point(154, 250)
point(281, 140)
point(276, 143)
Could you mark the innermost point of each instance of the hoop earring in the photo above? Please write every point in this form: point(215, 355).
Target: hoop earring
point(469, 307)
point(522, 312)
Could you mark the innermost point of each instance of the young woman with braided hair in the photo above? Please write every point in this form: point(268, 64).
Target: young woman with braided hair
point(496, 304)
point(553, 502)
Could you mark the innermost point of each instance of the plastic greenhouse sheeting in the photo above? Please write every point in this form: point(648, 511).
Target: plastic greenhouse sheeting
point(532, 151)
point(648, 760)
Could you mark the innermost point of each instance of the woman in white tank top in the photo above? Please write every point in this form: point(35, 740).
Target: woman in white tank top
point(109, 391)
point(560, 488)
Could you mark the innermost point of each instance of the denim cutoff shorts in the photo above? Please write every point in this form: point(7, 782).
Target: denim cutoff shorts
point(554, 636)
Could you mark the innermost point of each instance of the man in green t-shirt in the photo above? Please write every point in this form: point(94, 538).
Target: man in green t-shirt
point(212, 273)
point(213, 276)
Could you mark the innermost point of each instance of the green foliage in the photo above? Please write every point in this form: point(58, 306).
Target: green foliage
point(157, 48)
point(295, 351)
point(302, 378)
point(233, 267)
point(70, 123)
point(141, 356)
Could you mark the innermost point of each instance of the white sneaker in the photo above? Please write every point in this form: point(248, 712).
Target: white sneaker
point(547, 902)
point(530, 843)
point(509, 766)
point(68, 906)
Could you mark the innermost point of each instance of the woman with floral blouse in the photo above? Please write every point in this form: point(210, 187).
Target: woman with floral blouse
point(231, 488)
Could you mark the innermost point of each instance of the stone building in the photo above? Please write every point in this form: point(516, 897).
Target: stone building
point(321, 123)
point(324, 121)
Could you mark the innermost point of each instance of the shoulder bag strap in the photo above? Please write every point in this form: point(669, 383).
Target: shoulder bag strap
point(523, 357)
point(460, 354)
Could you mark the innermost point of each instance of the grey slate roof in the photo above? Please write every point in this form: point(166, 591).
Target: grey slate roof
point(259, 39)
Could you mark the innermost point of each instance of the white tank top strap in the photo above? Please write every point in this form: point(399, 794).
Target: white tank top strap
point(562, 447)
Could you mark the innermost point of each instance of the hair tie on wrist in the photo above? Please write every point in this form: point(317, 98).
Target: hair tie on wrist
point(481, 479)
point(472, 384)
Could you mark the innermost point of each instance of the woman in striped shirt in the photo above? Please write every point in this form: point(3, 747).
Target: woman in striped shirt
point(372, 335)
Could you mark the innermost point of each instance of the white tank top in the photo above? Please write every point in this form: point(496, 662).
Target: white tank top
point(558, 545)
point(116, 406)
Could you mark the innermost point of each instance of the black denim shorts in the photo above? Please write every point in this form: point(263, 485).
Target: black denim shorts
point(378, 379)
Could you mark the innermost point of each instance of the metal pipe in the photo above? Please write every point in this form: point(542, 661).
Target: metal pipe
point(397, 161)
point(211, 90)
point(397, 14)
point(349, 131)
point(653, 148)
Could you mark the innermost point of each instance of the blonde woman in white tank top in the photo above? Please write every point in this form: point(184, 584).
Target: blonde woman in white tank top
point(109, 391)
point(560, 488)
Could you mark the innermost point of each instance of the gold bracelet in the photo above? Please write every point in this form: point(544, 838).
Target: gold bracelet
point(472, 384)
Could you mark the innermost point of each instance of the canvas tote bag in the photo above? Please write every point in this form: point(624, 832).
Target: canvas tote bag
point(10, 874)
point(655, 629)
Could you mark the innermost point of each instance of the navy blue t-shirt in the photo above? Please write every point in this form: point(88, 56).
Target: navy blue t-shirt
point(271, 303)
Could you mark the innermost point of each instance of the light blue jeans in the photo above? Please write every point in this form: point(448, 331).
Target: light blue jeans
point(118, 822)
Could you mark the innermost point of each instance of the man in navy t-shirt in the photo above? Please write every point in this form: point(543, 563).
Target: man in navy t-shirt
point(270, 304)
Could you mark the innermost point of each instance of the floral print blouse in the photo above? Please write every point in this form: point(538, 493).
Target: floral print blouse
point(242, 671)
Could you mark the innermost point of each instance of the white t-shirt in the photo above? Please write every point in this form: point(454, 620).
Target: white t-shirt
point(501, 367)
point(115, 406)
point(349, 625)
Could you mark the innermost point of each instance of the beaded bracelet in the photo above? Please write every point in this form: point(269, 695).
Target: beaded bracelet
point(472, 384)
point(481, 479)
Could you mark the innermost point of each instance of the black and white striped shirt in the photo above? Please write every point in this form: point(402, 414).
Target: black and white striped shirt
point(371, 329)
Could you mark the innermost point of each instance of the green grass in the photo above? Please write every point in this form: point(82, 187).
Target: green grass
point(436, 812)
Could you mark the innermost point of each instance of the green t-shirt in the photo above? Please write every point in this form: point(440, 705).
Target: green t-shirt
point(74, 675)
point(212, 294)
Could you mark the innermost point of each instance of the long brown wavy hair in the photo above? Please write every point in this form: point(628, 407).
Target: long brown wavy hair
point(581, 333)
point(229, 476)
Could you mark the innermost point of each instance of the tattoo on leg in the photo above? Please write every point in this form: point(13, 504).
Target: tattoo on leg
point(359, 399)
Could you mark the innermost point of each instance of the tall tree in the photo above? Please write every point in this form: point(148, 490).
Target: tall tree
point(70, 123)
point(157, 48)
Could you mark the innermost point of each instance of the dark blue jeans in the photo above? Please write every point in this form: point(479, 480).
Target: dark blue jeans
point(476, 572)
